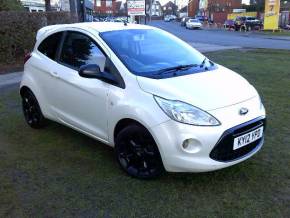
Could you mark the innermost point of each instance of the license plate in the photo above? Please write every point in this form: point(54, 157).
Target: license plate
point(247, 138)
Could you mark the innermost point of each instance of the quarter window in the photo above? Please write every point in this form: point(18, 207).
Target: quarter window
point(78, 49)
point(49, 46)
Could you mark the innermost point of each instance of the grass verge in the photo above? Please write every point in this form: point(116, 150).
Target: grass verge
point(57, 172)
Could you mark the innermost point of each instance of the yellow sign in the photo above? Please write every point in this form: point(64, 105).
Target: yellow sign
point(271, 17)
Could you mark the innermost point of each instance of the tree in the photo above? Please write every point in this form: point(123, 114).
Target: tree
point(10, 5)
point(47, 5)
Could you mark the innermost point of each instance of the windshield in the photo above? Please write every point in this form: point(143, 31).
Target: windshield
point(146, 51)
point(194, 20)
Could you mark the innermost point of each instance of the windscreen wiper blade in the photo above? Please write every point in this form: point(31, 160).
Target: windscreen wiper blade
point(203, 62)
point(176, 68)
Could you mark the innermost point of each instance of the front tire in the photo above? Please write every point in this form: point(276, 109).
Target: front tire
point(31, 110)
point(137, 153)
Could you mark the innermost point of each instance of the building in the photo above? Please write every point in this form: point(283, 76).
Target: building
point(181, 3)
point(170, 8)
point(183, 12)
point(64, 5)
point(106, 7)
point(83, 8)
point(156, 9)
point(38, 5)
point(192, 8)
point(214, 10)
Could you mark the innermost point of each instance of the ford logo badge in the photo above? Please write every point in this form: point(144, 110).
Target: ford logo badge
point(244, 111)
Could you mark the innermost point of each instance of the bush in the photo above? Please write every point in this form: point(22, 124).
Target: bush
point(18, 31)
point(11, 5)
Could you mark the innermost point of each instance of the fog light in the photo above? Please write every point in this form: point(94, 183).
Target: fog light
point(191, 145)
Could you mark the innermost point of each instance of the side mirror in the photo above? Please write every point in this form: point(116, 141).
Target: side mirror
point(90, 71)
point(93, 71)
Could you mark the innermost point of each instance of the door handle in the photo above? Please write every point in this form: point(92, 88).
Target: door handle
point(54, 74)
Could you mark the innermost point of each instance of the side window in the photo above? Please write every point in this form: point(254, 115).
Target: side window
point(48, 46)
point(78, 49)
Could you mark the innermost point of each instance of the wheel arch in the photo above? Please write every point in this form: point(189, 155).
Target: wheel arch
point(27, 84)
point(23, 89)
point(121, 124)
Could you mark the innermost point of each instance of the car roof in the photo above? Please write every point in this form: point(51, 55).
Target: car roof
point(95, 26)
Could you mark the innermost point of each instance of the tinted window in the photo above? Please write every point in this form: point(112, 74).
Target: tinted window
point(78, 49)
point(144, 51)
point(49, 45)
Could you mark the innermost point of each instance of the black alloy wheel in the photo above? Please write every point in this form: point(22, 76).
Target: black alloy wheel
point(31, 110)
point(137, 153)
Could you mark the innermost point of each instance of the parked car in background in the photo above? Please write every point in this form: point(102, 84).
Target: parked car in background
point(201, 18)
point(193, 24)
point(169, 18)
point(229, 24)
point(247, 23)
point(184, 20)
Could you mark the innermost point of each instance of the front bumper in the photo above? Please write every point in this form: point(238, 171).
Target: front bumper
point(212, 146)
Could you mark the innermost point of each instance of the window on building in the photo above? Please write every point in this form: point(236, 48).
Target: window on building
point(108, 3)
point(98, 3)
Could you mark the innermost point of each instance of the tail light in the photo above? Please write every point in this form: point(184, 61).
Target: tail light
point(26, 57)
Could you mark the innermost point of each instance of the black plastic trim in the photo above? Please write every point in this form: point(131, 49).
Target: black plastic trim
point(223, 150)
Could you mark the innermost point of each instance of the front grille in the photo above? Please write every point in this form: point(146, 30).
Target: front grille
point(223, 150)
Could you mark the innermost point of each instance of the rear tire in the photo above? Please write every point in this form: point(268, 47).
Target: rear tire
point(31, 110)
point(137, 153)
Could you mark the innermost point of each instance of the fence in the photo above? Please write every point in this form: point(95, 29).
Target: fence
point(18, 31)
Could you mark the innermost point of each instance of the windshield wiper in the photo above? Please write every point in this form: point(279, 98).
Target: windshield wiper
point(175, 68)
point(203, 62)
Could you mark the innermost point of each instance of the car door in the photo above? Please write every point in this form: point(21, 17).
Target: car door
point(44, 69)
point(82, 103)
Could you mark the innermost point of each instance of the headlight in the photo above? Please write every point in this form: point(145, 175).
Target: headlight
point(186, 113)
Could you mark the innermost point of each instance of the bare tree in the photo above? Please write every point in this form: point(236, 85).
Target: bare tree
point(47, 5)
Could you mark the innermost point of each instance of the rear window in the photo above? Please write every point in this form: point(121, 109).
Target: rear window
point(48, 46)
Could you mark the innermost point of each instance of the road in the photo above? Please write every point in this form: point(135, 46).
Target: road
point(224, 38)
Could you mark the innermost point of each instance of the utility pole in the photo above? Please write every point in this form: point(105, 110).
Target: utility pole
point(150, 10)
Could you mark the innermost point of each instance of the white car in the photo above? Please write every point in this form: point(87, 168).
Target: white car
point(122, 85)
point(193, 24)
point(167, 18)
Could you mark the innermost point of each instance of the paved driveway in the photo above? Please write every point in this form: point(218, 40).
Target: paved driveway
point(224, 38)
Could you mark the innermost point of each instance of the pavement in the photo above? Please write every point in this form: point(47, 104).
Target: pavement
point(205, 47)
point(10, 79)
point(220, 37)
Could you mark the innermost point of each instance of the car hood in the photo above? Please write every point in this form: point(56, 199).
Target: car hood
point(207, 90)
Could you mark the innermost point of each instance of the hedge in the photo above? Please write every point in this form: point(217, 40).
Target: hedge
point(18, 31)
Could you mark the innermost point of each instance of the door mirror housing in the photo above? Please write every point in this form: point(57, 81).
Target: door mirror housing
point(93, 71)
point(90, 71)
